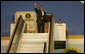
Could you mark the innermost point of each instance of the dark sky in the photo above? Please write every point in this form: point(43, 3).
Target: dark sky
point(72, 12)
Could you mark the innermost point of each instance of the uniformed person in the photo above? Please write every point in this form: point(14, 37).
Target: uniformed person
point(40, 18)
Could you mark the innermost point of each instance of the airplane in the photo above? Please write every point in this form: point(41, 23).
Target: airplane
point(26, 39)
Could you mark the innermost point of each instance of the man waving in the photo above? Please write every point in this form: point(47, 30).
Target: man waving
point(40, 18)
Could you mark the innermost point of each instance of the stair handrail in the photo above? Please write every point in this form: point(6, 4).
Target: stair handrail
point(44, 50)
point(12, 38)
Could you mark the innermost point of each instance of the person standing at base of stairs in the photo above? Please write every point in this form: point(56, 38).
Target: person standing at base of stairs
point(40, 18)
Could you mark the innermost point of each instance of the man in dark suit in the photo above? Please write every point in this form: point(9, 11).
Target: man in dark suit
point(41, 14)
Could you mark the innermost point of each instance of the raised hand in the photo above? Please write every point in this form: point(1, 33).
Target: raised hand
point(35, 4)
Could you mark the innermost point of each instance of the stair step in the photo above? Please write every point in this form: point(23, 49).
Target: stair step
point(31, 42)
point(24, 40)
point(28, 49)
point(35, 34)
point(39, 51)
point(33, 37)
point(30, 46)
